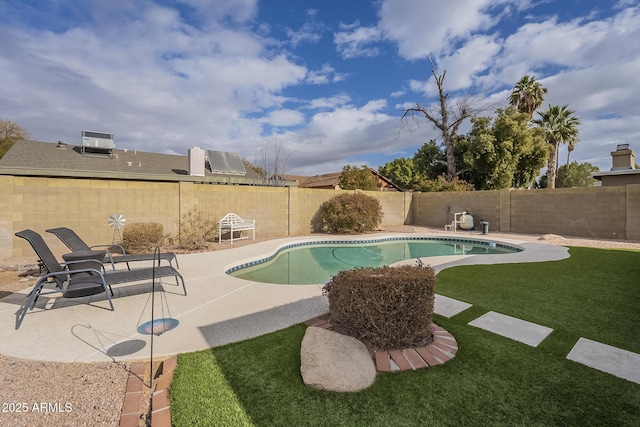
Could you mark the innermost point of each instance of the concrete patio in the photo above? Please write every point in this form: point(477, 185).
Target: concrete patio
point(218, 309)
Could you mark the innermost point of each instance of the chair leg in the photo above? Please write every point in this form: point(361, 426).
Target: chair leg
point(104, 284)
point(30, 303)
point(184, 288)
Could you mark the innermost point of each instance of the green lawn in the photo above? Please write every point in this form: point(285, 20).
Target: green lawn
point(491, 381)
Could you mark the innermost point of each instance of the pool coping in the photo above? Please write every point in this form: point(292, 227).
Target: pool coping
point(491, 243)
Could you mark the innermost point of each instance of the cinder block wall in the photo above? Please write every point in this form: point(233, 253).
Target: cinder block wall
point(437, 209)
point(585, 212)
point(600, 212)
point(82, 204)
point(633, 212)
point(85, 205)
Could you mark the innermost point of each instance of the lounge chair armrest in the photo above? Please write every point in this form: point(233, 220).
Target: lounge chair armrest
point(68, 273)
point(99, 265)
point(112, 245)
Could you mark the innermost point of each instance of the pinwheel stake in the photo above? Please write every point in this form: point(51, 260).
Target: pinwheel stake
point(116, 221)
point(155, 326)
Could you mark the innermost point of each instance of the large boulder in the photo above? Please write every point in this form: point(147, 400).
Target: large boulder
point(335, 362)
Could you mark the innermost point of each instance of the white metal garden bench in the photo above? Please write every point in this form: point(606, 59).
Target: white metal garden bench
point(231, 223)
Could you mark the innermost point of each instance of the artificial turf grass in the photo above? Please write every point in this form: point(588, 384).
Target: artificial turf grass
point(201, 384)
point(491, 381)
point(593, 294)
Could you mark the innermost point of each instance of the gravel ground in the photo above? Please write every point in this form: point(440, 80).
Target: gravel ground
point(85, 394)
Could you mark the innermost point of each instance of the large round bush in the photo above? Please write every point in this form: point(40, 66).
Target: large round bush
point(350, 213)
point(386, 308)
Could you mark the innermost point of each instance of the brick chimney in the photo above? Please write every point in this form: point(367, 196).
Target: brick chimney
point(623, 158)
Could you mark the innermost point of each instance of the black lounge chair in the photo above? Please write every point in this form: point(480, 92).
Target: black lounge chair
point(79, 282)
point(75, 243)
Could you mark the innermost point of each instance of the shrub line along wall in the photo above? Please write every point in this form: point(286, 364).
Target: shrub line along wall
point(85, 205)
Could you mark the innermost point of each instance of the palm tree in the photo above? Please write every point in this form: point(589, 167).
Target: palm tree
point(527, 95)
point(570, 147)
point(561, 127)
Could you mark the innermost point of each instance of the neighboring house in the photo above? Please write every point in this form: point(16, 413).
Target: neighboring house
point(623, 170)
point(33, 158)
point(331, 181)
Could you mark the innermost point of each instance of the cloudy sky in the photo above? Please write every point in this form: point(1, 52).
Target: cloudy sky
point(324, 80)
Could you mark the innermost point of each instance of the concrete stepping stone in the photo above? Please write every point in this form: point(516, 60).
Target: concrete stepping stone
point(449, 307)
point(519, 330)
point(615, 361)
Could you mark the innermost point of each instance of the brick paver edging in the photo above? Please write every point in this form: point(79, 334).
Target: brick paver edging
point(443, 348)
point(134, 407)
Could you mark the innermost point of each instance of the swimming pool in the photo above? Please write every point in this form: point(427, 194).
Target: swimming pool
point(315, 262)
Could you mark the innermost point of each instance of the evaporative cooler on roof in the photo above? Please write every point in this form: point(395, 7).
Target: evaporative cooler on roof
point(97, 140)
point(225, 162)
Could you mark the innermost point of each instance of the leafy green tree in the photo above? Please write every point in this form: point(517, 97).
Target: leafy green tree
point(430, 161)
point(573, 174)
point(440, 184)
point(401, 171)
point(355, 178)
point(10, 133)
point(561, 127)
point(527, 95)
point(504, 152)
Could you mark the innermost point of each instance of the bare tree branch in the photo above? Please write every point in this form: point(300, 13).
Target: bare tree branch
point(445, 119)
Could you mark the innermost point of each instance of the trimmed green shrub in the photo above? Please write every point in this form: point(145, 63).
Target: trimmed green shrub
point(142, 237)
point(350, 213)
point(385, 308)
point(196, 230)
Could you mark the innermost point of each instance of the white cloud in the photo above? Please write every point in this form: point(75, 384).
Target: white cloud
point(285, 118)
point(326, 74)
point(309, 33)
point(432, 28)
point(342, 133)
point(357, 43)
point(462, 67)
point(238, 11)
point(330, 102)
point(168, 74)
point(163, 77)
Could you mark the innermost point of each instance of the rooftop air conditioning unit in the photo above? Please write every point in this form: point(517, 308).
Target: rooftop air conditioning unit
point(97, 140)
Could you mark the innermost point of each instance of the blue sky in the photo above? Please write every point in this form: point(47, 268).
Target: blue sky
point(326, 81)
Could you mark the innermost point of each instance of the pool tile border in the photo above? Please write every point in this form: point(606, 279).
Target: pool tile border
point(491, 244)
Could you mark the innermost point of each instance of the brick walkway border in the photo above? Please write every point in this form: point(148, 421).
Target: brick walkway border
point(134, 408)
point(443, 348)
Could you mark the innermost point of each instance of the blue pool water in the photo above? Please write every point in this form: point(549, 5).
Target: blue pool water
point(315, 262)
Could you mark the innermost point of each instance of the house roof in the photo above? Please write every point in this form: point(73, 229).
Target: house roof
point(330, 180)
point(599, 175)
point(34, 158)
